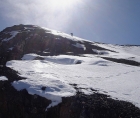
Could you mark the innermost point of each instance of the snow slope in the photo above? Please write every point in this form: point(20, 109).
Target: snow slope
point(123, 52)
point(56, 73)
point(59, 33)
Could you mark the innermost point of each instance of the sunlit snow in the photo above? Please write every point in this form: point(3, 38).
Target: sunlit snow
point(78, 45)
point(64, 35)
point(100, 52)
point(122, 52)
point(3, 78)
point(117, 80)
point(13, 34)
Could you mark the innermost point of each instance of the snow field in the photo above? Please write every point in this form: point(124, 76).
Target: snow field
point(122, 52)
point(56, 73)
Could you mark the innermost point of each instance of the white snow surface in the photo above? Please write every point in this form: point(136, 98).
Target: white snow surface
point(56, 73)
point(59, 33)
point(3, 78)
point(29, 56)
point(78, 45)
point(13, 34)
point(55, 59)
point(122, 52)
point(100, 52)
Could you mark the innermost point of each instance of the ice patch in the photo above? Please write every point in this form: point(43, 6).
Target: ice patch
point(30, 56)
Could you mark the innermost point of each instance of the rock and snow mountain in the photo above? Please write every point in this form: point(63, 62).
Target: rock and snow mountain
point(52, 64)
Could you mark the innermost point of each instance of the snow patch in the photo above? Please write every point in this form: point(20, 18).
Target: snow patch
point(30, 28)
point(30, 56)
point(122, 52)
point(11, 48)
point(64, 35)
point(78, 45)
point(3, 78)
point(54, 91)
point(61, 59)
point(100, 52)
point(13, 33)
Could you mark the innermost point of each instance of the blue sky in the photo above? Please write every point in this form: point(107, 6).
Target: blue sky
point(107, 21)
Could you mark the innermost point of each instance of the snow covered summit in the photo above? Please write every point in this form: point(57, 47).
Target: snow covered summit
point(23, 39)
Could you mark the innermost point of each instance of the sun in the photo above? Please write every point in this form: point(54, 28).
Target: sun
point(63, 3)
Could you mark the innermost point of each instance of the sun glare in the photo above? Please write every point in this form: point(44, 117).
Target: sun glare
point(63, 3)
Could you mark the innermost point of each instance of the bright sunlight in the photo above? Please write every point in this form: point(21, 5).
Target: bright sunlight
point(63, 3)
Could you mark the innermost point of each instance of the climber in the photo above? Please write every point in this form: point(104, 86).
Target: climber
point(71, 34)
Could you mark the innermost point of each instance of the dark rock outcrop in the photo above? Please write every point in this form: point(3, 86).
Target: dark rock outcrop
point(96, 106)
point(123, 61)
point(20, 104)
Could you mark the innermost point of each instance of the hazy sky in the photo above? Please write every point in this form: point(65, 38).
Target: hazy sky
point(107, 21)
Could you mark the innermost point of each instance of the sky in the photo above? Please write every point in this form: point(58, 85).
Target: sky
point(106, 21)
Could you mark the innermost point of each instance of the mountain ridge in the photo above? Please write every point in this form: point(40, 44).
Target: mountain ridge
point(21, 39)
